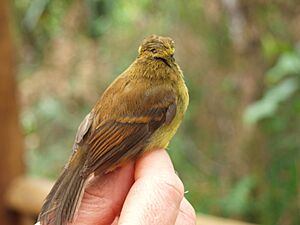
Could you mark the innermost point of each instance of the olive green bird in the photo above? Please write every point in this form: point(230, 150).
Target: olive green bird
point(139, 112)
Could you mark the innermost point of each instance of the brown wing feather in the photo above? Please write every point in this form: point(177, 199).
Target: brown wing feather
point(123, 139)
point(125, 125)
point(83, 129)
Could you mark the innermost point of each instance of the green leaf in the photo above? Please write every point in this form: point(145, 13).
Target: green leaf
point(237, 200)
point(273, 46)
point(288, 64)
point(268, 105)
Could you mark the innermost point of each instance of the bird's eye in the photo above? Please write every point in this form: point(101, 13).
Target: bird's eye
point(153, 50)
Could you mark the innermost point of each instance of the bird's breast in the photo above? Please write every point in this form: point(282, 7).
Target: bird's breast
point(162, 137)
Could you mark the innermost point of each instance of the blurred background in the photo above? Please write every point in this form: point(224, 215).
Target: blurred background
point(237, 151)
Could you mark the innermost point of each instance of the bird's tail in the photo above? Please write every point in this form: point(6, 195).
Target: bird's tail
point(61, 203)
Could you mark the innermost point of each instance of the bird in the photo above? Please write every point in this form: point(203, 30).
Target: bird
point(140, 111)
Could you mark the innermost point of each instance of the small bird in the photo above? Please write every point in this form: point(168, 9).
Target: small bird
point(139, 112)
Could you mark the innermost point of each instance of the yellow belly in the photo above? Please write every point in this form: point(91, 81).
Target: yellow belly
point(162, 137)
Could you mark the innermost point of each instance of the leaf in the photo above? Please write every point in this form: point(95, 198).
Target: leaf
point(288, 64)
point(273, 46)
point(34, 13)
point(268, 105)
point(237, 200)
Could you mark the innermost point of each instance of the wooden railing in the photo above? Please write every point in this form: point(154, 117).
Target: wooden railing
point(26, 195)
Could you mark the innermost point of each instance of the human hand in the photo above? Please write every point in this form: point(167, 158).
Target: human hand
point(148, 192)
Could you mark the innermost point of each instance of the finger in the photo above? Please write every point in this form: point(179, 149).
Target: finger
point(104, 196)
point(156, 195)
point(186, 215)
point(116, 221)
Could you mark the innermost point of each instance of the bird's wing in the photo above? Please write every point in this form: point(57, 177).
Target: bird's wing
point(125, 136)
point(83, 129)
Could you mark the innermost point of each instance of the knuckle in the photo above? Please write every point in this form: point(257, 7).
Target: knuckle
point(172, 186)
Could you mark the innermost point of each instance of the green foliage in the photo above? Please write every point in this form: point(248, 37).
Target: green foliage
point(268, 105)
point(40, 20)
point(277, 114)
point(99, 15)
point(44, 125)
point(273, 47)
point(237, 200)
point(280, 90)
point(288, 64)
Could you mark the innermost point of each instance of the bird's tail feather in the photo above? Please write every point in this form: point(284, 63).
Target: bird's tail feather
point(61, 203)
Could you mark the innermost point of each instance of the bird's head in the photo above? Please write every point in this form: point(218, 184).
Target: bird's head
point(157, 47)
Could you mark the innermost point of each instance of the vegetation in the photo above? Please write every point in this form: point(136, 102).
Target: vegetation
point(238, 149)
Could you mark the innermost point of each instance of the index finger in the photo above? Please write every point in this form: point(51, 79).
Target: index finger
point(156, 195)
point(104, 196)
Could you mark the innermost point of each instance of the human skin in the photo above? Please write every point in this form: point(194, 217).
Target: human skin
point(141, 193)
